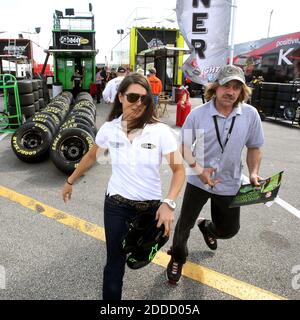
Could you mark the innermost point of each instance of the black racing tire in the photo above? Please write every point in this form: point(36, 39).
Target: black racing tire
point(24, 86)
point(36, 95)
point(25, 99)
point(262, 116)
point(28, 111)
point(88, 109)
point(68, 148)
point(270, 86)
point(286, 96)
point(79, 125)
point(36, 105)
point(85, 104)
point(73, 118)
point(41, 83)
point(4, 120)
point(59, 113)
point(59, 104)
point(83, 115)
point(267, 103)
point(41, 93)
point(47, 121)
point(61, 98)
point(84, 96)
point(35, 84)
point(53, 116)
point(289, 88)
point(31, 142)
point(86, 112)
point(68, 95)
point(77, 119)
point(42, 103)
point(269, 95)
point(255, 95)
point(289, 113)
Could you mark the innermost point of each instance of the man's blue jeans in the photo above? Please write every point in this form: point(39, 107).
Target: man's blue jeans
point(155, 99)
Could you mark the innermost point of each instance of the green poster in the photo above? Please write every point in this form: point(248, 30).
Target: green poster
point(250, 194)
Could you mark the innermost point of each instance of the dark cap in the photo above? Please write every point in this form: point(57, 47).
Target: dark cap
point(230, 72)
point(121, 69)
point(152, 70)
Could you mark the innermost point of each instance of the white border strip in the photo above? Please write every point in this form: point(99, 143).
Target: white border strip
point(3, 136)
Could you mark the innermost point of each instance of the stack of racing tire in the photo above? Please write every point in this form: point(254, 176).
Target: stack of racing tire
point(76, 135)
point(268, 96)
point(67, 134)
point(287, 99)
point(31, 95)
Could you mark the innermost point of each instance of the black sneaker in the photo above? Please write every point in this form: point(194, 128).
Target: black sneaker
point(173, 272)
point(210, 240)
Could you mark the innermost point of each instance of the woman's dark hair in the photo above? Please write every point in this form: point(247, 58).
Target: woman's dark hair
point(148, 115)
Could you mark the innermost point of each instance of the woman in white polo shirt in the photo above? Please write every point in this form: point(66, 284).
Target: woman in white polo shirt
point(137, 143)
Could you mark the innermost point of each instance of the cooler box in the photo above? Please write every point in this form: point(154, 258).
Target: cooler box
point(93, 89)
point(182, 113)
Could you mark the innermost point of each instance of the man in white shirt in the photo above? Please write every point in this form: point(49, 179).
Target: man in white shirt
point(112, 86)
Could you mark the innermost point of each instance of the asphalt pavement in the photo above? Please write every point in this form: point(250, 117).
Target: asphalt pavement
point(58, 252)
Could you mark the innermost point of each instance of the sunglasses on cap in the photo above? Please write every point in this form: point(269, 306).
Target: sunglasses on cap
point(134, 97)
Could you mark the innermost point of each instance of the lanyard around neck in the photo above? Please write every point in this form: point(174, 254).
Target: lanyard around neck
point(218, 132)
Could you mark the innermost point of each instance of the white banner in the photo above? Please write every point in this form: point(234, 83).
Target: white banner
point(205, 25)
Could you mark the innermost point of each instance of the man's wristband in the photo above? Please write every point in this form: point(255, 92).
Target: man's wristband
point(69, 183)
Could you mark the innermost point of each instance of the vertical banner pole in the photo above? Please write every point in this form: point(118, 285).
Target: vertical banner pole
point(233, 13)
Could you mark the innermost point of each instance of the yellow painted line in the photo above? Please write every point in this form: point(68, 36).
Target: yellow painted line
point(81, 225)
point(206, 276)
point(219, 281)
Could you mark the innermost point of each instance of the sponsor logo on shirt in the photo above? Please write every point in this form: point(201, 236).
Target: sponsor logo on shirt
point(116, 145)
point(148, 146)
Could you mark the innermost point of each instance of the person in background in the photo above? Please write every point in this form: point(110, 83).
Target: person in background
point(137, 143)
point(249, 72)
point(296, 74)
point(128, 71)
point(140, 70)
point(156, 85)
point(112, 86)
point(99, 84)
point(104, 75)
point(77, 82)
point(113, 73)
point(213, 138)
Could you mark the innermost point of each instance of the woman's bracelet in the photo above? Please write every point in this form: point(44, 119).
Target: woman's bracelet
point(69, 183)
